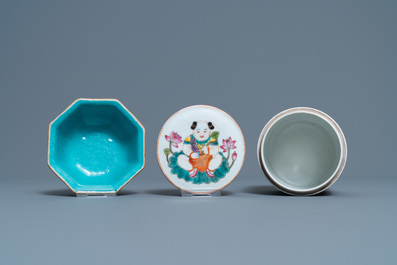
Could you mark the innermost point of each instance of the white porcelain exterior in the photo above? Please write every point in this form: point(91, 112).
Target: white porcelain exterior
point(302, 151)
point(180, 123)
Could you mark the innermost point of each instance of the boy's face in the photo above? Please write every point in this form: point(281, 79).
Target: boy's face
point(202, 132)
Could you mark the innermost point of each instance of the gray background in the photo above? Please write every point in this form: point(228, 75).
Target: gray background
point(251, 59)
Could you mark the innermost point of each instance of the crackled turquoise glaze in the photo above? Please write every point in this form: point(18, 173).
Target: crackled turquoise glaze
point(96, 146)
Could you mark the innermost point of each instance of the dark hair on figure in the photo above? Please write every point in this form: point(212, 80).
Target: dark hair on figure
point(194, 125)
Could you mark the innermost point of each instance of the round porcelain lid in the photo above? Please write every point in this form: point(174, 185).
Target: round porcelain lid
point(200, 149)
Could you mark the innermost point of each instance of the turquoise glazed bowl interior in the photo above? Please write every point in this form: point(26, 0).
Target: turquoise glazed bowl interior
point(302, 151)
point(96, 146)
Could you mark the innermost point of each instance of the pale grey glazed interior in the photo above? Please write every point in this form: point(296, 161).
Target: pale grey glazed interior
point(301, 152)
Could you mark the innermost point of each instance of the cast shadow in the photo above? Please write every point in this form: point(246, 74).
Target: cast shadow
point(176, 192)
point(60, 192)
point(273, 191)
point(165, 192)
point(69, 193)
point(126, 193)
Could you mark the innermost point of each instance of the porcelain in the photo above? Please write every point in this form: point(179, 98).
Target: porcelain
point(200, 149)
point(96, 146)
point(302, 151)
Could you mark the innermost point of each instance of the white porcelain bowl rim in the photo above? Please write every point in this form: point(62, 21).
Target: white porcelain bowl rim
point(321, 187)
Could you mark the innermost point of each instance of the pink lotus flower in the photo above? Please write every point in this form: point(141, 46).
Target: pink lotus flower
point(174, 139)
point(228, 144)
point(234, 156)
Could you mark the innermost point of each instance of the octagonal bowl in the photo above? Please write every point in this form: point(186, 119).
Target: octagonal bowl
point(96, 146)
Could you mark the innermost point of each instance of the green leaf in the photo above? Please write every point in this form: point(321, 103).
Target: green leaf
point(167, 151)
point(215, 135)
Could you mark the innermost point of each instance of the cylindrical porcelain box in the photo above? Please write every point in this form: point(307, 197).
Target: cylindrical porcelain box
point(302, 151)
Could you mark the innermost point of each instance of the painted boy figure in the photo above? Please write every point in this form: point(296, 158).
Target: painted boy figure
point(200, 160)
point(201, 151)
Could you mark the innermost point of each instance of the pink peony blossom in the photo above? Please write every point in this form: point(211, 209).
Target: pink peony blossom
point(174, 138)
point(228, 144)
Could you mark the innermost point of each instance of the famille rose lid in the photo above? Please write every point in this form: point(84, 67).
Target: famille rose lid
point(200, 149)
